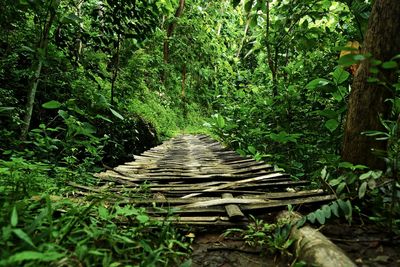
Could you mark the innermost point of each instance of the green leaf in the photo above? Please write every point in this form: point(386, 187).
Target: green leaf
point(346, 207)
point(396, 57)
point(32, 255)
point(317, 83)
point(63, 114)
point(374, 70)
point(142, 218)
point(14, 217)
point(324, 173)
point(346, 165)
point(335, 208)
point(23, 236)
point(337, 95)
point(340, 75)
point(220, 121)
point(332, 125)
point(319, 214)
point(98, 116)
point(248, 5)
point(125, 239)
point(376, 174)
point(327, 211)
point(335, 182)
point(389, 65)
point(251, 149)
point(103, 212)
point(349, 165)
point(340, 188)
point(365, 175)
point(253, 21)
point(53, 104)
point(116, 114)
point(311, 217)
point(362, 190)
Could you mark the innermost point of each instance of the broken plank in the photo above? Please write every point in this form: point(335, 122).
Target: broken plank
point(232, 210)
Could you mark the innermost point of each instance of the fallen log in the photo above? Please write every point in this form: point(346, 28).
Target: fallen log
point(313, 247)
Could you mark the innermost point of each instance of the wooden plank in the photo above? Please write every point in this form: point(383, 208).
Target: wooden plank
point(168, 177)
point(224, 201)
point(232, 210)
point(271, 205)
point(253, 169)
point(284, 203)
point(272, 196)
point(232, 184)
point(214, 221)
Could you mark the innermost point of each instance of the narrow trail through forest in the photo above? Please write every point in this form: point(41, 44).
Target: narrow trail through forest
point(211, 189)
point(205, 183)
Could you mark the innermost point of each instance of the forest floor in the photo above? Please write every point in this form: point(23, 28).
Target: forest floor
point(366, 245)
point(213, 250)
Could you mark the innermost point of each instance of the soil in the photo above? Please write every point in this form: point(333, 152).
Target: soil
point(213, 250)
point(366, 245)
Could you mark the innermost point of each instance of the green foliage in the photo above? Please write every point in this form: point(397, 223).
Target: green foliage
point(59, 231)
point(272, 237)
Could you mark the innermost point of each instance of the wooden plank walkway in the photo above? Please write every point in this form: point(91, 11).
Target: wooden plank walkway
point(203, 183)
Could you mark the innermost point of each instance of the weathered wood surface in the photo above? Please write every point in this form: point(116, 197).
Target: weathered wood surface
point(201, 182)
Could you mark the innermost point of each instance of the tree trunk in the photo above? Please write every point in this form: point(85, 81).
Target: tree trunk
point(31, 101)
point(246, 29)
point(41, 48)
point(367, 100)
point(171, 28)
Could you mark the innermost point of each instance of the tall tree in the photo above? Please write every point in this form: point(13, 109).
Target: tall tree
point(45, 16)
point(171, 28)
point(368, 100)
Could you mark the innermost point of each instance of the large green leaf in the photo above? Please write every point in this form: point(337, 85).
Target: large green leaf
point(340, 75)
point(332, 125)
point(31, 255)
point(23, 236)
point(116, 114)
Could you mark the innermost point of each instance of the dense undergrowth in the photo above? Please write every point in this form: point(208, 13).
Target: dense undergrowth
point(85, 85)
